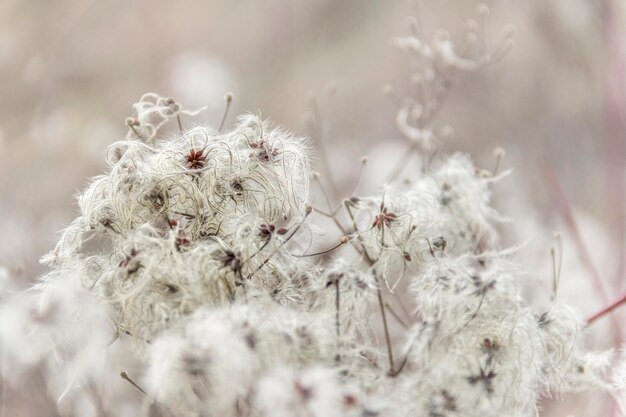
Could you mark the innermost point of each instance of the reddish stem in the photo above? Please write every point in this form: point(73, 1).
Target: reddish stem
point(615, 117)
point(606, 310)
point(615, 109)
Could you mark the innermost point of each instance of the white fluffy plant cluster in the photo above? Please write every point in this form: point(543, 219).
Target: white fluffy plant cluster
point(198, 246)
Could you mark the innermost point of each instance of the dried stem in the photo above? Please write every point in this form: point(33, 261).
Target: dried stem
point(125, 376)
point(606, 310)
point(228, 98)
point(343, 241)
point(337, 306)
point(379, 294)
point(396, 316)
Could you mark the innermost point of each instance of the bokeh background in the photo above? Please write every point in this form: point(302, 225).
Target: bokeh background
point(71, 70)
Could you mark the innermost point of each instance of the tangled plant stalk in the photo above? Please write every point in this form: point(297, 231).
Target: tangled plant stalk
point(203, 249)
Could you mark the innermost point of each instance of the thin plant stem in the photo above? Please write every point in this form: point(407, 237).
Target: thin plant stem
point(124, 375)
point(379, 294)
point(343, 241)
point(606, 310)
point(337, 307)
point(228, 98)
point(396, 316)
